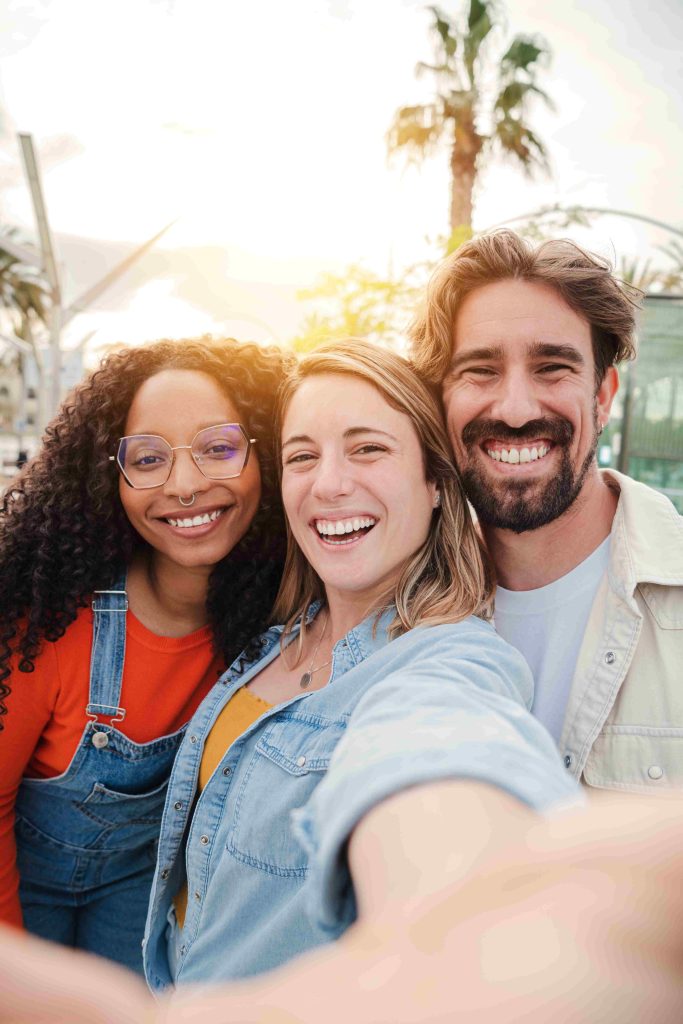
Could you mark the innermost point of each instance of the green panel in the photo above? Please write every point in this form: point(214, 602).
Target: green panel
point(645, 434)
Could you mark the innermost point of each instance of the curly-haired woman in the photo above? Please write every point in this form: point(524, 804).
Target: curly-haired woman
point(139, 553)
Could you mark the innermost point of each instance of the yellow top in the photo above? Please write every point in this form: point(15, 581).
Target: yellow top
point(243, 708)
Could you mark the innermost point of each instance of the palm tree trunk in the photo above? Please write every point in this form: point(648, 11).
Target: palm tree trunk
point(466, 147)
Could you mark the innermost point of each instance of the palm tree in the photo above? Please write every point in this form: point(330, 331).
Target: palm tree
point(24, 304)
point(480, 105)
point(24, 293)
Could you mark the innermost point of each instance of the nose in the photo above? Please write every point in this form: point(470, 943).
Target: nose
point(185, 478)
point(331, 478)
point(515, 400)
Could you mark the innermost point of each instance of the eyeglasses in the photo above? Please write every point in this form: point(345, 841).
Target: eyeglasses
point(220, 453)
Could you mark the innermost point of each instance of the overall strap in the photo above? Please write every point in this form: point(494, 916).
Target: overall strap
point(108, 652)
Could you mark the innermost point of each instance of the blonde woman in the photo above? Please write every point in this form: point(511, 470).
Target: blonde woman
point(384, 677)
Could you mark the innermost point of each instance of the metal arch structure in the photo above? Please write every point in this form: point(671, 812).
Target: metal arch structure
point(59, 314)
point(546, 211)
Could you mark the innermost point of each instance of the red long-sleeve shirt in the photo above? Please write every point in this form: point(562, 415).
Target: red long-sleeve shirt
point(164, 680)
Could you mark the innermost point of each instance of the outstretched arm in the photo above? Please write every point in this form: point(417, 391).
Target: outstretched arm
point(577, 918)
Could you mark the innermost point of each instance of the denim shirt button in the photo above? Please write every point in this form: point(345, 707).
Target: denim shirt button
point(227, 771)
point(203, 840)
point(301, 761)
point(178, 805)
point(165, 872)
point(193, 739)
point(198, 896)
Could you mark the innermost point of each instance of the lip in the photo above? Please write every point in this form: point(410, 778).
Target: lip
point(536, 442)
point(337, 516)
point(342, 543)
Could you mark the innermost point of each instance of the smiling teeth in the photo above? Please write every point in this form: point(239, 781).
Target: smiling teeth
point(208, 517)
point(341, 526)
point(515, 455)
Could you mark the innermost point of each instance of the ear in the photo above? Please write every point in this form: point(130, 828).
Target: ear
point(605, 395)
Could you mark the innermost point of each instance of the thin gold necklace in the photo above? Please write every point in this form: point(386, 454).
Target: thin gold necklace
point(307, 677)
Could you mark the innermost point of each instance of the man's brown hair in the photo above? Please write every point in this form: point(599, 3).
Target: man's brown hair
point(582, 279)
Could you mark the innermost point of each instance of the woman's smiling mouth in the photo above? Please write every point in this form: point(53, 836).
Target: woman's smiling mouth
point(344, 531)
point(197, 525)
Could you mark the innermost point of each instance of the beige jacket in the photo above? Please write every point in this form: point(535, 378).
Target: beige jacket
point(624, 723)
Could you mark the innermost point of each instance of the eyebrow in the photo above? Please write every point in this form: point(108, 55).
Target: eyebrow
point(537, 350)
point(351, 432)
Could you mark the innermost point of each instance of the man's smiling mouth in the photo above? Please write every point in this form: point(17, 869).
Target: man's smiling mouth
point(516, 454)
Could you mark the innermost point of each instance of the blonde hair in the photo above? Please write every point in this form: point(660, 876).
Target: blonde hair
point(450, 576)
point(583, 280)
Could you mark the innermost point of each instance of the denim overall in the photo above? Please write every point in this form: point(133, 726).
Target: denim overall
point(87, 839)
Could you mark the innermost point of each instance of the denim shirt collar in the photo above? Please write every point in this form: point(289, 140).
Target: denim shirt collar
point(359, 643)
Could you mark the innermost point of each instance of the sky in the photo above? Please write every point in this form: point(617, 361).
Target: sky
point(259, 129)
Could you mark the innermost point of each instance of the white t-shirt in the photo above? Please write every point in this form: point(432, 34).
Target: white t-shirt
point(547, 626)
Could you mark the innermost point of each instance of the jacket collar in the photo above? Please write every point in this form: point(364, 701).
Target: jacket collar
point(368, 636)
point(647, 533)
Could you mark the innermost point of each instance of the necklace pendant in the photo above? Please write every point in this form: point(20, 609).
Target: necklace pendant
point(305, 680)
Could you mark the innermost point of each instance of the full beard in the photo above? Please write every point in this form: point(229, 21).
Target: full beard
point(521, 505)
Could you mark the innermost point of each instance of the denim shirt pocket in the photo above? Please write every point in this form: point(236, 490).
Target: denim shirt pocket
point(288, 762)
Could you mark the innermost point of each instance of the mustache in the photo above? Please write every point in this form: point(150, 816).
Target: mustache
point(558, 430)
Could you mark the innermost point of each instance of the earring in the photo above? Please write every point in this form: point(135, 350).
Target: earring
point(437, 500)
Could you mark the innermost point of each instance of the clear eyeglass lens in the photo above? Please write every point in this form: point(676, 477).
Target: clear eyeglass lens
point(145, 460)
point(220, 452)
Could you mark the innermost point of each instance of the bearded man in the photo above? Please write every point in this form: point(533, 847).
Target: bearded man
point(523, 341)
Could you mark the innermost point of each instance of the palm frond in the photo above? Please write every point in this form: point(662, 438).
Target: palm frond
point(517, 140)
point(479, 24)
point(523, 53)
point(445, 30)
point(516, 95)
point(436, 69)
point(416, 130)
point(23, 288)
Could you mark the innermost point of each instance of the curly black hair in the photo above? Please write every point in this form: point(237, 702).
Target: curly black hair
point(63, 530)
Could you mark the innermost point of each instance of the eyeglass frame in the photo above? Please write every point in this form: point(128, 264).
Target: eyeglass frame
point(175, 448)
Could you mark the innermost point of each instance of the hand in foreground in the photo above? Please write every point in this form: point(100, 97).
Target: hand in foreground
point(582, 921)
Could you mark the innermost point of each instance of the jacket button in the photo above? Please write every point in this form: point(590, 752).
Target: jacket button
point(165, 873)
point(203, 840)
point(178, 805)
point(227, 771)
point(301, 761)
point(610, 658)
point(655, 772)
point(198, 896)
point(567, 760)
point(193, 739)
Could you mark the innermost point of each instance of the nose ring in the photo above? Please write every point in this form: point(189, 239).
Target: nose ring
point(186, 504)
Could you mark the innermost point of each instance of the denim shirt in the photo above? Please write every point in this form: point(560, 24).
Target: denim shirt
point(263, 846)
